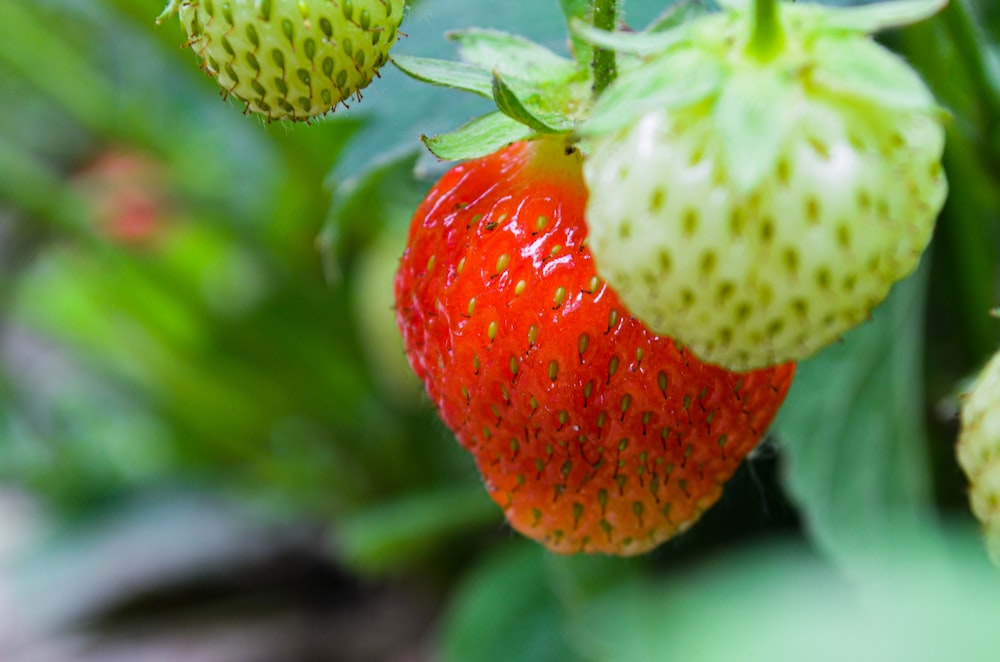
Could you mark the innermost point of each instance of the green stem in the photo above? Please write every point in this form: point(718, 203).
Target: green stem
point(970, 45)
point(605, 17)
point(766, 37)
point(969, 257)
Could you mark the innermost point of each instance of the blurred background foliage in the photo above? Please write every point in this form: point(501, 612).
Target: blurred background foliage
point(211, 447)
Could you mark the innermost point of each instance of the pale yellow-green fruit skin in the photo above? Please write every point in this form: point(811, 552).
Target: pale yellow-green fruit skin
point(979, 452)
point(291, 59)
point(749, 275)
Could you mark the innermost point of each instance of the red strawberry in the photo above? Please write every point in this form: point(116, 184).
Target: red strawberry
point(590, 432)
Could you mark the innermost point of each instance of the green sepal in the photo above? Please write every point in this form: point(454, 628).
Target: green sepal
point(446, 73)
point(858, 67)
point(511, 55)
point(675, 81)
point(635, 43)
point(510, 104)
point(579, 10)
point(170, 9)
point(883, 15)
point(483, 135)
point(752, 116)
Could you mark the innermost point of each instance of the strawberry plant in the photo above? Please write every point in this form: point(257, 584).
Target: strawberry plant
point(598, 275)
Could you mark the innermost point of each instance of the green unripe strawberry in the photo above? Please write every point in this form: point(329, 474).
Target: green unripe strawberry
point(979, 452)
point(756, 196)
point(291, 59)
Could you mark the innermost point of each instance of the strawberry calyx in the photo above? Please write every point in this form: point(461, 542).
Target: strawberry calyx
point(536, 91)
point(682, 59)
point(799, 51)
point(767, 38)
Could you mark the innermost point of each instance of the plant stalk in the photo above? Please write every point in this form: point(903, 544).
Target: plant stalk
point(766, 36)
point(604, 17)
point(974, 52)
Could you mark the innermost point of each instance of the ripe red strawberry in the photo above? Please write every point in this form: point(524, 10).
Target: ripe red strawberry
point(590, 432)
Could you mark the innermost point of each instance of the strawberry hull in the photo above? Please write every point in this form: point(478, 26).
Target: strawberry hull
point(592, 433)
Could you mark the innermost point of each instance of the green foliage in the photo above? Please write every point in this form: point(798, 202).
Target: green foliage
point(224, 350)
point(527, 627)
point(780, 603)
point(855, 440)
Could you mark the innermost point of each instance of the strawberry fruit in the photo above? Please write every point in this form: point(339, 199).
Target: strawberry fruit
point(290, 59)
point(592, 433)
point(979, 452)
point(755, 193)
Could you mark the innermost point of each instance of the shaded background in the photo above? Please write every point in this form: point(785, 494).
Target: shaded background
point(211, 448)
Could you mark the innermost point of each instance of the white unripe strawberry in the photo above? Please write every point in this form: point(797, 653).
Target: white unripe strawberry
point(979, 452)
point(755, 201)
point(290, 59)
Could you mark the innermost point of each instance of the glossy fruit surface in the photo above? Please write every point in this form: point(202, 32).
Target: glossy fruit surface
point(592, 433)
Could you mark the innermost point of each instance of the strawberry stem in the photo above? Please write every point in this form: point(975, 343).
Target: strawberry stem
point(766, 37)
point(605, 17)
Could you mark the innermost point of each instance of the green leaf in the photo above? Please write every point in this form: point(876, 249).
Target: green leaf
point(513, 56)
point(752, 117)
point(483, 135)
point(361, 205)
point(390, 537)
point(880, 16)
point(860, 68)
point(853, 432)
point(30, 47)
point(674, 81)
point(398, 109)
point(456, 75)
point(782, 604)
point(580, 10)
point(636, 43)
point(678, 14)
point(512, 106)
point(505, 610)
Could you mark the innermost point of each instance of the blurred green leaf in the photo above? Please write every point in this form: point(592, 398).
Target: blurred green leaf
point(781, 604)
point(883, 15)
point(679, 13)
point(377, 200)
point(394, 536)
point(30, 47)
point(511, 56)
point(853, 433)
point(580, 10)
point(505, 610)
